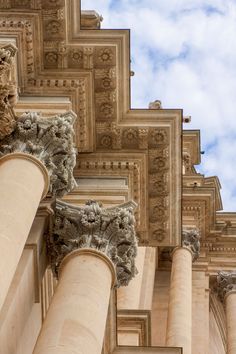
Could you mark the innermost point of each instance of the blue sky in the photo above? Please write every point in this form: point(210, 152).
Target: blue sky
point(186, 49)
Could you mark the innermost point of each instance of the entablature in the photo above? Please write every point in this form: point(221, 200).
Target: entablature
point(90, 70)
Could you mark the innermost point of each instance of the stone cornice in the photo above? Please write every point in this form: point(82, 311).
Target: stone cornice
point(8, 91)
point(190, 240)
point(92, 69)
point(110, 231)
point(51, 141)
point(226, 282)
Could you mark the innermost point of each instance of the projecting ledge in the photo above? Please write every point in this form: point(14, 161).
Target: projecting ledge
point(147, 350)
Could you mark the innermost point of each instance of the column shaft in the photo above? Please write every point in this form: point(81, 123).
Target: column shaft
point(231, 323)
point(75, 322)
point(179, 322)
point(23, 181)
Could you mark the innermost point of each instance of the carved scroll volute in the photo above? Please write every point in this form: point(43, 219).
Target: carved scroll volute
point(110, 231)
point(8, 90)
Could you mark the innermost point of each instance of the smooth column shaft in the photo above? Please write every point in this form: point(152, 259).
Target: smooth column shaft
point(231, 322)
point(75, 322)
point(179, 322)
point(23, 180)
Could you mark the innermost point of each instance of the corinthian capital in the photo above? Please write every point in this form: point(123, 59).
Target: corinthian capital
point(226, 282)
point(51, 141)
point(8, 91)
point(190, 240)
point(110, 231)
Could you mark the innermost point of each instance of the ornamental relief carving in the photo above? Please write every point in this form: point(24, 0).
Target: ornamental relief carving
point(110, 231)
point(226, 283)
point(58, 54)
point(110, 137)
point(8, 90)
point(51, 141)
point(100, 62)
point(123, 168)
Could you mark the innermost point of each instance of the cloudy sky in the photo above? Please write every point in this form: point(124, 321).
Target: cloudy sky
point(184, 53)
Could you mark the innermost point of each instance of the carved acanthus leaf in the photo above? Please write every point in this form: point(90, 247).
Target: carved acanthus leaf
point(110, 231)
point(51, 141)
point(8, 91)
point(191, 240)
point(226, 282)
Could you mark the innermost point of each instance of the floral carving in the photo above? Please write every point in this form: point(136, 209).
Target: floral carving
point(226, 282)
point(106, 83)
point(77, 55)
point(130, 138)
point(157, 137)
point(51, 141)
point(53, 27)
point(158, 163)
point(8, 91)
point(105, 141)
point(105, 55)
point(158, 186)
point(157, 213)
point(107, 110)
point(191, 240)
point(158, 234)
point(110, 231)
point(51, 57)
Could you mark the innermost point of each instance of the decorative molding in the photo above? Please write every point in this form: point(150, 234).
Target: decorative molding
point(132, 167)
point(136, 322)
point(94, 69)
point(51, 141)
point(191, 240)
point(110, 231)
point(226, 282)
point(8, 90)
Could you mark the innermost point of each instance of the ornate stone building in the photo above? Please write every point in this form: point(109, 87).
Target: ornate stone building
point(110, 241)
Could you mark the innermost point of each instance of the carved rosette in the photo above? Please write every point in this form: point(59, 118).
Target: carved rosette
point(51, 141)
point(226, 283)
point(110, 231)
point(191, 240)
point(8, 91)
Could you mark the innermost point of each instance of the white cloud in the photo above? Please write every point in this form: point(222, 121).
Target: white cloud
point(186, 50)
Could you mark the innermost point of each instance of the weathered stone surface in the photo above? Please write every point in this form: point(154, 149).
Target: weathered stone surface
point(190, 239)
point(8, 91)
point(226, 282)
point(51, 141)
point(110, 231)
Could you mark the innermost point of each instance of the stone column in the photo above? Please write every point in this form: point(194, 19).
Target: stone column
point(227, 293)
point(91, 249)
point(37, 156)
point(23, 182)
point(179, 321)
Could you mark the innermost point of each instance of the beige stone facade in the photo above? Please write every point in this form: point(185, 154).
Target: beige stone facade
point(110, 241)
